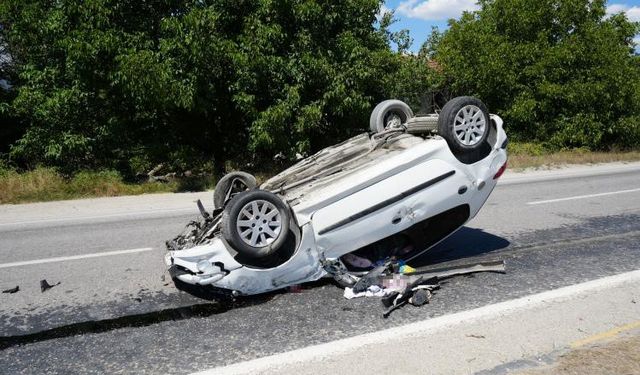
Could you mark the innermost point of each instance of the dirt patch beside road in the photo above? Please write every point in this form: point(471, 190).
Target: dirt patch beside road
point(620, 356)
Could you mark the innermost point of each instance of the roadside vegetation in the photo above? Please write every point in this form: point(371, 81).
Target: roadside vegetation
point(46, 184)
point(95, 93)
point(534, 156)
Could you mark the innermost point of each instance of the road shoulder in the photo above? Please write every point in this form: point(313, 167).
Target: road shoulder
point(527, 331)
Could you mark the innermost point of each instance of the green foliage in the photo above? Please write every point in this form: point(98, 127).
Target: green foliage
point(558, 71)
point(45, 184)
point(125, 85)
point(412, 81)
point(119, 84)
point(66, 59)
point(526, 148)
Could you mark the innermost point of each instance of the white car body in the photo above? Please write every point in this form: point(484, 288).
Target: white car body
point(386, 192)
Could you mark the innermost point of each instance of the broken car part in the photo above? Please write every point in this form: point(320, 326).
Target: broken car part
point(202, 210)
point(347, 198)
point(372, 277)
point(398, 288)
point(463, 269)
point(12, 290)
point(44, 285)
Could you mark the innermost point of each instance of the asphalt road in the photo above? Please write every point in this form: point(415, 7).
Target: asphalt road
point(121, 313)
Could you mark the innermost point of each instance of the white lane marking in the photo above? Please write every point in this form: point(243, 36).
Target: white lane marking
point(497, 310)
point(83, 218)
point(584, 196)
point(74, 257)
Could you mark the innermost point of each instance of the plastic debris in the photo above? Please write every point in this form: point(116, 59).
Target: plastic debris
point(399, 284)
point(420, 297)
point(44, 285)
point(372, 291)
point(12, 290)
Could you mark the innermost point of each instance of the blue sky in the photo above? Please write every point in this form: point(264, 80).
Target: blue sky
point(418, 16)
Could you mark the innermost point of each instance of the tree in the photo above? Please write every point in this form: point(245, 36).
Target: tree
point(112, 83)
point(558, 71)
point(9, 128)
point(65, 56)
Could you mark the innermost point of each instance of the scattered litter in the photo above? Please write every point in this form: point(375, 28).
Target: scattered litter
point(405, 268)
point(399, 284)
point(399, 299)
point(12, 290)
point(372, 277)
point(44, 285)
point(164, 281)
point(371, 291)
point(476, 336)
point(420, 297)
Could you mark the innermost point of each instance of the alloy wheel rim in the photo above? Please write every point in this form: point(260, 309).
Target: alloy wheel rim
point(469, 125)
point(259, 223)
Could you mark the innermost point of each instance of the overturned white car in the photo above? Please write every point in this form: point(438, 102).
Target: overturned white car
point(394, 192)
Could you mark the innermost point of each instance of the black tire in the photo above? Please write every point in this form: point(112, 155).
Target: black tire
point(471, 118)
point(232, 180)
point(270, 237)
point(379, 120)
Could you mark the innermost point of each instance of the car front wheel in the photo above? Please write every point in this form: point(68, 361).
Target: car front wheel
point(256, 223)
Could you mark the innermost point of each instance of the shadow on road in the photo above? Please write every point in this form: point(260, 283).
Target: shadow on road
point(466, 242)
point(206, 309)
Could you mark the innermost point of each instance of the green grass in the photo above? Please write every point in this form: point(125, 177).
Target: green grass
point(45, 184)
point(533, 155)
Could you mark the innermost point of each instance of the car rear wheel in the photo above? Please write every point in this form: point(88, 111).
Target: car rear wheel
point(230, 185)
point(388, 115)
point(256, 223)
point(464, 123)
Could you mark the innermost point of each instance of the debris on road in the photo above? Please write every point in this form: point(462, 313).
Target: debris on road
point(399, 284)
point(44, 285)
point(476, 336)
point(12, 290)
point(418, 287)
point(371, 291)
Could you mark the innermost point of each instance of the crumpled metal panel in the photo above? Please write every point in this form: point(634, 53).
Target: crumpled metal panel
point(304, 265)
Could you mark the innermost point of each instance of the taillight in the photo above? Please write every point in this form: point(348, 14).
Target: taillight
point(500, 171)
